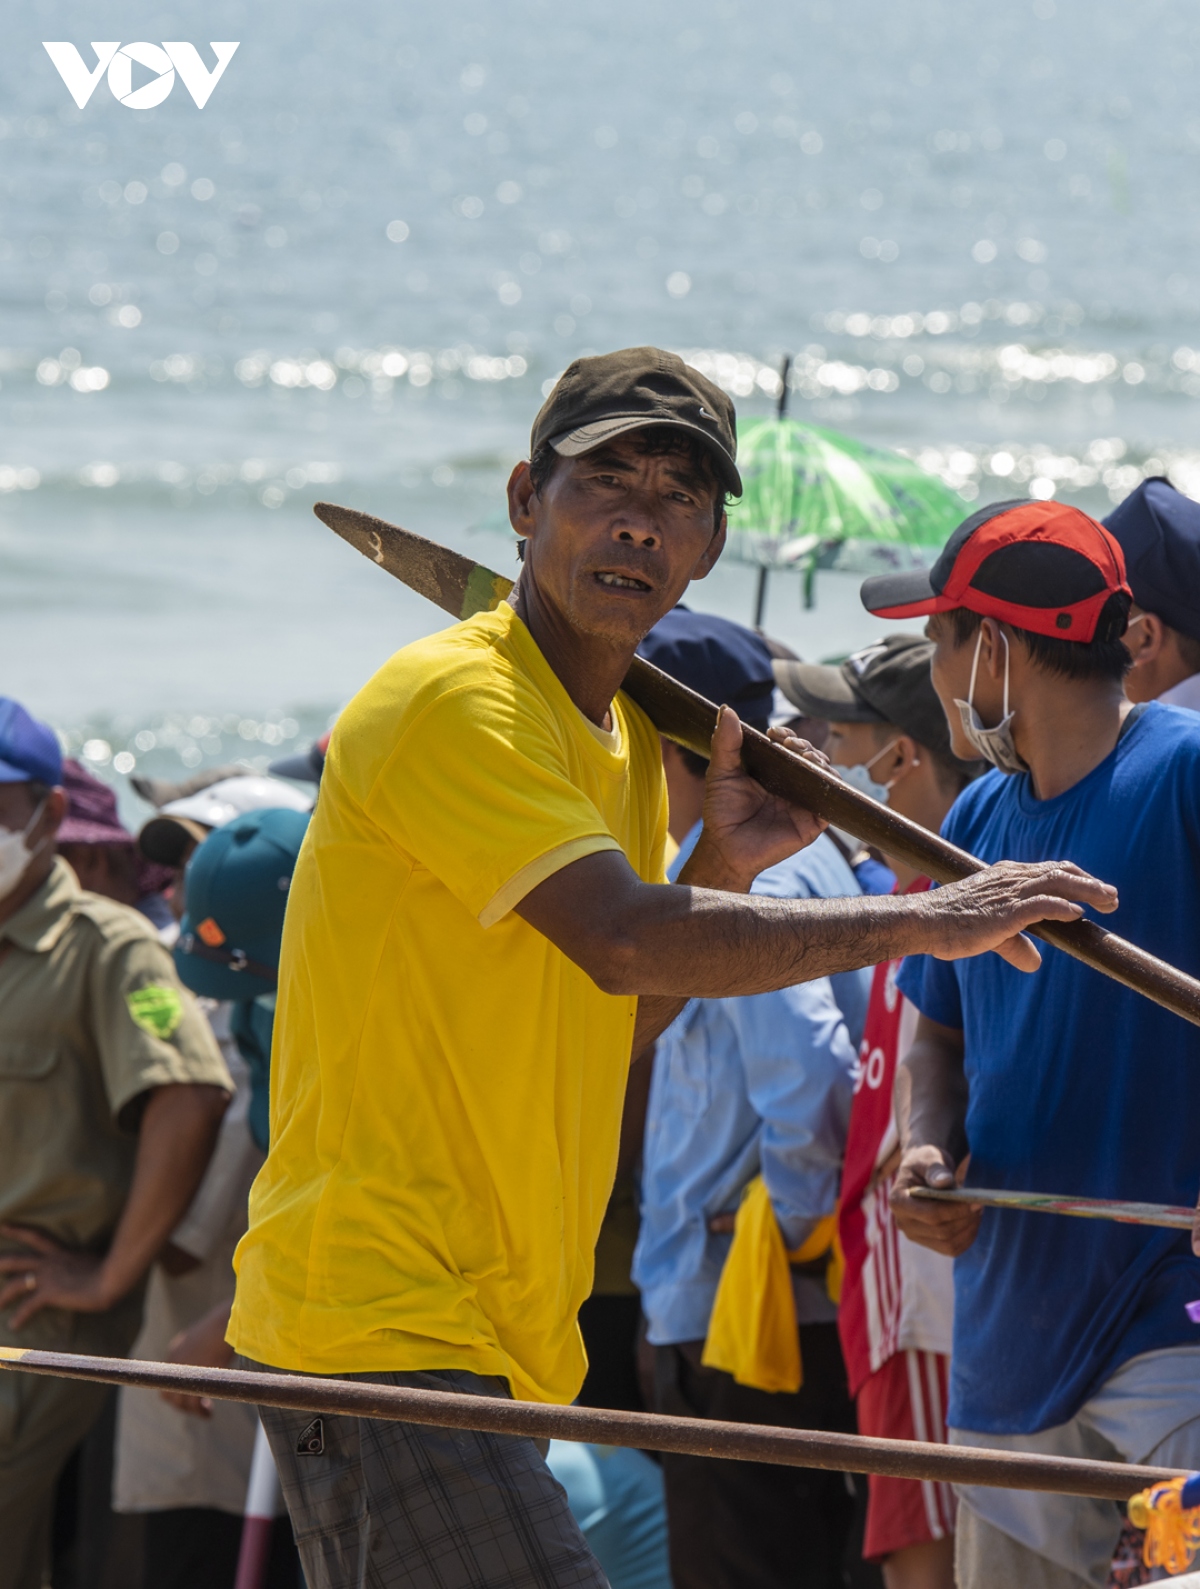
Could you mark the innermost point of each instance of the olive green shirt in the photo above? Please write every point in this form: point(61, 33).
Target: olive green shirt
point(92, 1016)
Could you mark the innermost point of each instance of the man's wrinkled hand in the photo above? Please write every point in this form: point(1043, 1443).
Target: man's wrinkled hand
point(948, 1228)
point(747, 830)
point(49, 1276)
point(992, 908)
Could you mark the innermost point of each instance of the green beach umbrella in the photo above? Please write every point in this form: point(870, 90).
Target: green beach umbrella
point(812, 494)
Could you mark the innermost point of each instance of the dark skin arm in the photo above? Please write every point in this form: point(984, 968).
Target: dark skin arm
point(633, 1116)
point(931, 1110)
point(706, 937)
point(742, 825)
point(202, 1344)
point(175, 1142)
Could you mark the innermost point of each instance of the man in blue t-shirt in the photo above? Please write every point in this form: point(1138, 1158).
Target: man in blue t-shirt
point(1070, 1336)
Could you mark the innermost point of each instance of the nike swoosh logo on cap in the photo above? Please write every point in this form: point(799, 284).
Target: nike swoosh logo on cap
point(704, 413)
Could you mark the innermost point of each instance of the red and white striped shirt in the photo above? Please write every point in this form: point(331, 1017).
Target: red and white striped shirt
point(896, 1296)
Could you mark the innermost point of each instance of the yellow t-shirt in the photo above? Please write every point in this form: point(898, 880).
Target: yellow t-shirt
point(446, 1085)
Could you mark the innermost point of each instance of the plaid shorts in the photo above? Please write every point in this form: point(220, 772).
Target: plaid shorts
point(380, 1505)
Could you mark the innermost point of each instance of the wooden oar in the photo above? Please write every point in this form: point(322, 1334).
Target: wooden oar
point(801, 1448)
point(1162, 1214)
point(462, 588)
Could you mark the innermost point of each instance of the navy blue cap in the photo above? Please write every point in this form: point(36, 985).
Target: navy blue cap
point(305, 766)
point(721, 660)
point(1158, 529)
point(237, 890)
point(29, 750)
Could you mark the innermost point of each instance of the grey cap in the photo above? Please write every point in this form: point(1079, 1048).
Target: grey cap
point(888, 682)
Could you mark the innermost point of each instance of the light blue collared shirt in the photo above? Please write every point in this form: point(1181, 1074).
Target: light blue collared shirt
point(743, 1086)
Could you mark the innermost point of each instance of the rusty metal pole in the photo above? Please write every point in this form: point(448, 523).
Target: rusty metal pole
point(802, 1448)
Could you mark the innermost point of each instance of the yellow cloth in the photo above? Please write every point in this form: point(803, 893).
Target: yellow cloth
point(446, 1086)
point(752, 1333)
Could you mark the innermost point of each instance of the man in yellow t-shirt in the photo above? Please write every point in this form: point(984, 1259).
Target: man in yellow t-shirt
point(479, 935)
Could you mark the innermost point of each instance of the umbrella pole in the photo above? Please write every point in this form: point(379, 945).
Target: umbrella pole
point(760, 599)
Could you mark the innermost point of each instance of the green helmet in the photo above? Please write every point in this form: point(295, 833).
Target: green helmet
point(236, 892)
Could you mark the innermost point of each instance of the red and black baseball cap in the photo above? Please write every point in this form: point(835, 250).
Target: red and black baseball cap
point(1041, 566)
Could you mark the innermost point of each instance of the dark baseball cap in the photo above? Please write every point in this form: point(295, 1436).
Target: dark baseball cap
point(29, 750)
point(1041, 566)
point(888, 682)
point(721, 660)
point(598, 398)
point(1158, 529)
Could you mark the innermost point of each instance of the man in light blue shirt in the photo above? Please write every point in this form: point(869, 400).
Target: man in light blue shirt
point(743, 1087)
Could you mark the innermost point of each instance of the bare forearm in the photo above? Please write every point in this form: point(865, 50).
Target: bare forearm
point(654, 1015)
point(706, 872)
point(633, 1115)
point(931, 1111)
point(175, 1142)
point(705, 938)
point(686, 942)
point(931, 1098)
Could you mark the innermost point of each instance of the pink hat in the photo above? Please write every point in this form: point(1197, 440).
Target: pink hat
point(92, 819)
point(91, 810)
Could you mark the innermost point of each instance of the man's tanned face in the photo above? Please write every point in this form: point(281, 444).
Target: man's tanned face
point(614, 537)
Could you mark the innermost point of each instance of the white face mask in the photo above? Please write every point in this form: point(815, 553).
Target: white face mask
point(859, 776)
point(15, 854)
point(994, 744)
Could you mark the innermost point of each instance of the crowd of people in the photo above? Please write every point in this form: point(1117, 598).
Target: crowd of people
point(501, 1046)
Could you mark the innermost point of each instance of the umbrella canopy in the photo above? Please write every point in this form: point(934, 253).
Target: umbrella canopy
point(808, 491)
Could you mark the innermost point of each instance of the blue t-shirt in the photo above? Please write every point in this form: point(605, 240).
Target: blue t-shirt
point(1078, 1086)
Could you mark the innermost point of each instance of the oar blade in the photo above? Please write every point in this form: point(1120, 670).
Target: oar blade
point(452, 582)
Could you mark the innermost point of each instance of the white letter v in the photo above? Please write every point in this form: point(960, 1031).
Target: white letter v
point(74, 73)
point(197, 79)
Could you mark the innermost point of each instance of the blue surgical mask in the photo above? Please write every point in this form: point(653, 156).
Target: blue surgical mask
point(859, 776)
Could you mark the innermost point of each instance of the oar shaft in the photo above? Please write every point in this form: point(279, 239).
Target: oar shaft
point(690, 720)
point(906, 1459)
point(1161, 1215)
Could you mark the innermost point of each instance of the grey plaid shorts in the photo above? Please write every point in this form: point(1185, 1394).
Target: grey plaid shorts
point(380, 1505)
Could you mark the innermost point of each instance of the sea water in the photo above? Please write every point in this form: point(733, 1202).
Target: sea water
point(356, 271)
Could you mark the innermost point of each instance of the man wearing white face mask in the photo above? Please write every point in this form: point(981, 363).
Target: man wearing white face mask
point(888, 738)
point(111, 1092)
point(1070, 1337)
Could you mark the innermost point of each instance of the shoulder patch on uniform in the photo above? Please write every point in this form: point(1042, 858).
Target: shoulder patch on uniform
point(156, 1009)
point(312, 1439)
